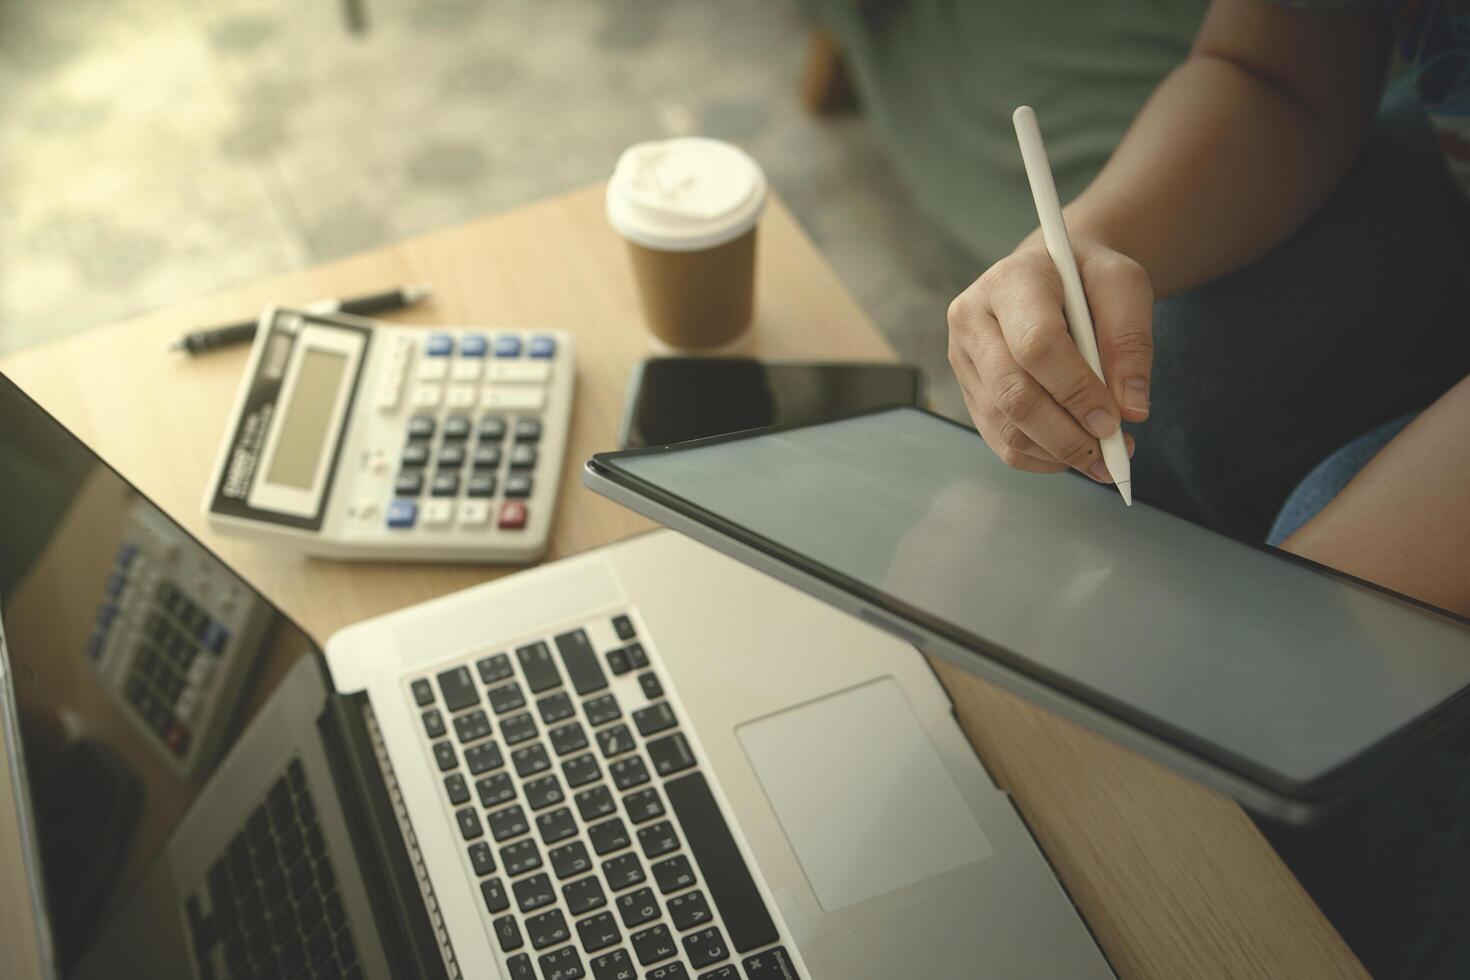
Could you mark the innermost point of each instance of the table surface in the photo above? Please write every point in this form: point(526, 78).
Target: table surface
point(1173, 879)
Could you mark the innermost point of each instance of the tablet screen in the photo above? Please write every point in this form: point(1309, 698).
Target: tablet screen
point(1153, 619)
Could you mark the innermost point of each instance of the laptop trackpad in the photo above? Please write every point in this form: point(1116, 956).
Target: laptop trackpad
point(862, 794)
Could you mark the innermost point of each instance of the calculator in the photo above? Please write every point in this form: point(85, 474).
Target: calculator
point(356, 439)
point(174, 636)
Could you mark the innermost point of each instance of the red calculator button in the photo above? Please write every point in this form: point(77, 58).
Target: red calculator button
point(512, 515)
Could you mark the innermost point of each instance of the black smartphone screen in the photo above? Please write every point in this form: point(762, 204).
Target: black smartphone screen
point(675, 399)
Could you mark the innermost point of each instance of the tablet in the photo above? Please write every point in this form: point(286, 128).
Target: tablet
point(1276, 680)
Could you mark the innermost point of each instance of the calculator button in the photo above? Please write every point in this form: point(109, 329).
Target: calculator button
point(492, 428)
point(472, 345)
point(451, 455)
point(438, 513)
point(523, 456)
point(415, 454)
point(528, 430)
point(487, 457)
point(515, 399)
point(542, 346)
point(508, 345)
point(480, 485)
point(427, 396)
point(439, 345)
point(402, 513)
point(474, 513)
point(456, 427)
point(410, 483)
point(512, 515)
point(461, 396)
point(421, 427)
point(433, 369)
point(519, 372)
point(465, 369)
point(445, 485)
point(518, 485)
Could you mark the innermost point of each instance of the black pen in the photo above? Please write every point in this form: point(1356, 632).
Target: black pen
point(224, 335)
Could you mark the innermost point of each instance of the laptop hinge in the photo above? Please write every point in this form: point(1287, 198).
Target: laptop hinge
point(403, 903)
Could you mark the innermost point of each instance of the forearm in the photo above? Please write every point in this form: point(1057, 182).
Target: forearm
point(1239, 144)
point(1404, 521)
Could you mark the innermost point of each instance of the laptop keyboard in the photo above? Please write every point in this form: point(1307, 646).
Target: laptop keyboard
point(268, 907)
point(599, 847)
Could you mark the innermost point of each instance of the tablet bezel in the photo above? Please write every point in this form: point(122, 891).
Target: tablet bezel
point(1261, 788)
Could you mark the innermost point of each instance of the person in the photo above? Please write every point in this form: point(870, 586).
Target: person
point(1275, 259)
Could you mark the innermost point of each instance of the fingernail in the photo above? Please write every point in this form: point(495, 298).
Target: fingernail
point(1100, 423)
point(1135, 395)
point(1099, 472)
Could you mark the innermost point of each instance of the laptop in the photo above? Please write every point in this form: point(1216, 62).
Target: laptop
point(645, 761)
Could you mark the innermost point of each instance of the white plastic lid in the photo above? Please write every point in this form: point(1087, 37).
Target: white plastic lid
point(683, 195)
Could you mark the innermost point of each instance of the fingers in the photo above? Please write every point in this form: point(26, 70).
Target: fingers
point(1028, 307)
point(1122, 300)
point(1006, 440)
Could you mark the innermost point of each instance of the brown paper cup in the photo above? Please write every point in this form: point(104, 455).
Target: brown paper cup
point(697, 300)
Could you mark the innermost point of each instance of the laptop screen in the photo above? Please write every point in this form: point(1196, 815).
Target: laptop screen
point(135, 658)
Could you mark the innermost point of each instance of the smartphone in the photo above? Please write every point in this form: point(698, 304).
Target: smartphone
point(675, 399)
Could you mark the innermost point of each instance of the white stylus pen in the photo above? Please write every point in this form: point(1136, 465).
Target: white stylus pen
point(1074, 299)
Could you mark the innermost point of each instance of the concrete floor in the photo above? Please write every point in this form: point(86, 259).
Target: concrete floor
point(152, 150)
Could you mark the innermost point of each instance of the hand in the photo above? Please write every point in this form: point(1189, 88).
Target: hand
point(1033, 397)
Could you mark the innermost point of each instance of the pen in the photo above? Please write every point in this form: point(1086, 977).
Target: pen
point(224, 335)
point(1074, 299)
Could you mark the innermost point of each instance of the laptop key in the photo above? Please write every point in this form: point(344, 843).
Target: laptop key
point(569, 860)
point(444, 756)
point(595, 803)
point(507, 698)
point(615, 741)
point(636, 655)
point(508, 933)
point(568, 738)
point(658, 839)
point(494, 894)
point(458, 689)
point(624, 627)
point(530, 760)
point(670, 754)
point(623, 871)
point(472, 727)
point(652, 945)
point(469, 823)
point(455, 786)
point(609, 836)
point(584, 895)
point(555, 826)
point(483, 758)
point(668, 971)
point(581, 770)
point(518, 728)
point(720, 862)
point(534, 893)
point(651, 687)
point(617, 661)
point(520, 967)
point(495, 789)
point(562, 964)
point(543, 792)
point(548, 929)
point(673, 875)
point(629, 772)
point(643, 805)
point(689, 911)
point(601, 710)
point(508, 823)
point(598, 932)
point(654, 718)
point(494, 669)
point(617, 965)
point(555, 707)
point(539, 668)
point(772, 964)
point(423, 693)
point(482, 859)
point(638, 907)
point(520, 857)
point(581, 662)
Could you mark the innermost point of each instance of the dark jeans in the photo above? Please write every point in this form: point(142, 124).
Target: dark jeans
point(1360, 318)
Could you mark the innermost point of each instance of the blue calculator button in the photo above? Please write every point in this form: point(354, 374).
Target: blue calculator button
point(439, 345)
point(125, 554)
point(542, 347)
point(106, 613)
point(115, 583)
point(508, 346)
point(215, 637)
point(472, 345)
point(402, 513)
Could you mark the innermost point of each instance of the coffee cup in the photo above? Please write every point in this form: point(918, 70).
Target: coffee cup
point(688, 209)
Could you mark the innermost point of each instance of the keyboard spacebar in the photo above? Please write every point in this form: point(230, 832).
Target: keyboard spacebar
point(720, 860)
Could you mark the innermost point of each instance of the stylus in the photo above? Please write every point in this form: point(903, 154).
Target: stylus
point(1074, 299)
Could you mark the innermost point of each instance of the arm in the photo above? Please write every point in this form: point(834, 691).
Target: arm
point(1235, 148)
point(1404, 521)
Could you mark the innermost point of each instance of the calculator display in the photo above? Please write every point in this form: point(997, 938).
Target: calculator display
point(308, 419)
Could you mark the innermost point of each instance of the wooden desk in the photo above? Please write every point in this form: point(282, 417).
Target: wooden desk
point(1173, 879)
